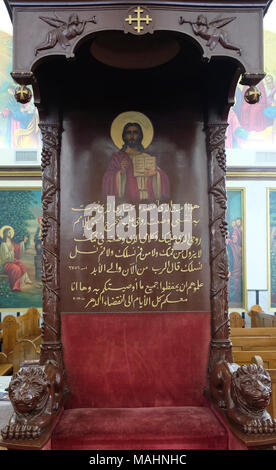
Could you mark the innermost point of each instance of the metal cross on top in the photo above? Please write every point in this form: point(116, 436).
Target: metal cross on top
point(139, 19)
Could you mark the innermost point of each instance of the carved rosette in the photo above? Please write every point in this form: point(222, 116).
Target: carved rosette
point(220, 343)
point(51, 348)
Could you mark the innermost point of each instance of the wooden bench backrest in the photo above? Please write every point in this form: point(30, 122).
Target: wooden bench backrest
point(252, 343)
point(245, 357)
point(16, 328)
point(260, 319)
point(28, 324)
point(236, 320)
point(24, 350)
point(248, 332)
point(9, 327)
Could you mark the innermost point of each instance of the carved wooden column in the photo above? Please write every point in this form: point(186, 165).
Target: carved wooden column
point(220, 343)
point(51, 348)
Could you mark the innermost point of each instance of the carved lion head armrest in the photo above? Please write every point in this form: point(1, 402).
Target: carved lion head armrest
point(36, 393)
point(243, 392)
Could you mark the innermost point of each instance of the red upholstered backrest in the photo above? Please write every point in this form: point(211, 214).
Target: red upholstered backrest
point(135, 360)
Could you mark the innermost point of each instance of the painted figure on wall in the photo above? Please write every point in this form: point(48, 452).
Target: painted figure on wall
point(272, 251)
point(252, 127)
point(20, 242)
point(234, 246)
point(133, 174)
point(235, 266)
point(18, 122)
point(22, 123)
point(10, 254)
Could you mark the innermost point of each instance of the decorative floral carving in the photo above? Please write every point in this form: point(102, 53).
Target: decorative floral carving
point(51, 346)
point(223, 227)
point(221, 158)
point(48, 196)
point(220, 344)
point(45, 227)
point(219, 193)
point(51, 142)
point(48, 271)
point(223, 272)
point(45, 157)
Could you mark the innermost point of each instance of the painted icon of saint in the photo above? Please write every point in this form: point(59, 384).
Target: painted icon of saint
point(10, 253)
point(132, 173)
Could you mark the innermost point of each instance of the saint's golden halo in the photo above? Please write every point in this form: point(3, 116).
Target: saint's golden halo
point(3, 228)
point(122, 119)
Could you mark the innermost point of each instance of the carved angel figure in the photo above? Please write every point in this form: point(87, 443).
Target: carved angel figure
point(62, 31)
point(212, 32)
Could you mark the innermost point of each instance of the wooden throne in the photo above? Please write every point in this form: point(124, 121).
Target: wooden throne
point(133, 102)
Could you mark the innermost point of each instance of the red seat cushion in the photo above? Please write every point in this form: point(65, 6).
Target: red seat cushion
point(139, 428)
point(136, 360)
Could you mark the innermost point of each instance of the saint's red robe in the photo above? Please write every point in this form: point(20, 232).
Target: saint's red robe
point(131, 189)
point(15, 269)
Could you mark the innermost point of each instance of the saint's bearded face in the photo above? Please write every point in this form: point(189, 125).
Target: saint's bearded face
point(132, 136)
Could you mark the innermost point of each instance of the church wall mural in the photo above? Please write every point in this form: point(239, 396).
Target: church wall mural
point(20, 249)
point(18, 122)
point(271, 242)
point(235, 245)
point(254, 127)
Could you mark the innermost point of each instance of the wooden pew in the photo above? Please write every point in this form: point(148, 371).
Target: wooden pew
point(25, 350)
point(17, 328)
point(21, 339)
point(250, 339)
point(253, 343)
point(236, 320)
point(9, 327)
point(28, 324)
point(245, 357)
point(249, 332)
point(250, 342)
point(260, 319)
point(6, 367)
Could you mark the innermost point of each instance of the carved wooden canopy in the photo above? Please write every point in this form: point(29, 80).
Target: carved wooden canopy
point(220, 29)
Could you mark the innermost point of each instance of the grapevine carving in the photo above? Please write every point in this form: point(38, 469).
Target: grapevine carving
point(220, 343)
point(51, 348)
